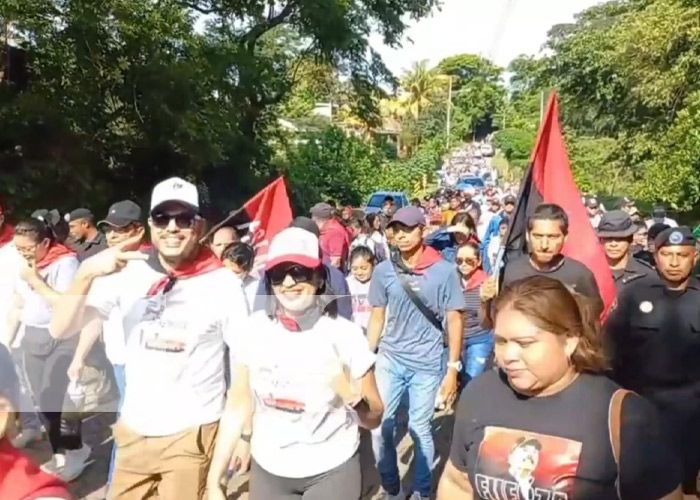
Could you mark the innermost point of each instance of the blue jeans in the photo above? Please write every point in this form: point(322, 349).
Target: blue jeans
point(393, 380)
point(476, 352)
point(120, 377)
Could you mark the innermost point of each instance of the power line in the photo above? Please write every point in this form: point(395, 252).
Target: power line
point(500, 27)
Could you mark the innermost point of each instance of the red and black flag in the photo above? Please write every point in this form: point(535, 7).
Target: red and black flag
point(549, 179)
point(262, 217)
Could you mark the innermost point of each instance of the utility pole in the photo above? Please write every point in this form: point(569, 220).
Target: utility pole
point(449, 111)
point(541, 107)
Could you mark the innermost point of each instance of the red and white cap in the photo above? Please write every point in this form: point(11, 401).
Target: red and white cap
point(294, 245)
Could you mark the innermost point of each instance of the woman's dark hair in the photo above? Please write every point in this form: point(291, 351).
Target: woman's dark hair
point(360, 224)
point(370, 218)
point(464, 218)
point(550, 305)
point(473, 245)
point(325, 293)
point(504, 220)
point(241, 254)
point(36, 229)
point(364, 252)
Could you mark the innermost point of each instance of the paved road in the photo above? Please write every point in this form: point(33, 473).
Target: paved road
point(91, 485)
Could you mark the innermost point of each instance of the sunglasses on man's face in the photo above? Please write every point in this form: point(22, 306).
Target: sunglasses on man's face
point(299, 274)
point(182, 220)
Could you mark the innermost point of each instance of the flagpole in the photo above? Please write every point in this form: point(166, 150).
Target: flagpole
point(449, 112)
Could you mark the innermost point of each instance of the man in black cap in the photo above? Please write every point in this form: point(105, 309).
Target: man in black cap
point(88, 239)
point(616, 232)
point(654, 341)
point(123, 221)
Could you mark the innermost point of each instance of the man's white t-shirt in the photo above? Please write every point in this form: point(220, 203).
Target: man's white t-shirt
point(174, 358)
point(301, 429)
point(9, 263)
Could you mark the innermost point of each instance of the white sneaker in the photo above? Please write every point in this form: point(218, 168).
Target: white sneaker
point(55, 465)
point(27, 437)
point(75, 463)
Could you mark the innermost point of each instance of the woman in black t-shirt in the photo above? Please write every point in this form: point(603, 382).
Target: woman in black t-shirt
point(548, 425)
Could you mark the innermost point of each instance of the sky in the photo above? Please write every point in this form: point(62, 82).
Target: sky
point(498, 29)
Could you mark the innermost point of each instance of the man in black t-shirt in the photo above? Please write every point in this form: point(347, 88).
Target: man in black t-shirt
point(547, 229)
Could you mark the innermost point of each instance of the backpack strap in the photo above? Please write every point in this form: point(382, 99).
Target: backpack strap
point(614, 426)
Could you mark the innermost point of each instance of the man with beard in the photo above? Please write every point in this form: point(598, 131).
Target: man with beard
point(84, 232)
point(654, 346)
point(179, 307)
point(616, 232)
point(547, 230)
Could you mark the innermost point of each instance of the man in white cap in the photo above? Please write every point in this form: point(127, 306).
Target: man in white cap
point(179, 306)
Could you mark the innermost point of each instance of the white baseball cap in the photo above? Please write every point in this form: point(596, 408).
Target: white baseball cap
point(175, 190)
point(294, 245)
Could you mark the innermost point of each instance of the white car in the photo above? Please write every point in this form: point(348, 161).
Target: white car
point(487, 150)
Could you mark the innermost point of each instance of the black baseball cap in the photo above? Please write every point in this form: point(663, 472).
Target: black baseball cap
point(675, 236)
point(121, 214)
point(80, 213)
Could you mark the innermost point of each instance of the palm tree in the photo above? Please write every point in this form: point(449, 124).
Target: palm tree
point(421, 85)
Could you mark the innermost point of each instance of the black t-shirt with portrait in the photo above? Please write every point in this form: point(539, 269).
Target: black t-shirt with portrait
point(558, 447)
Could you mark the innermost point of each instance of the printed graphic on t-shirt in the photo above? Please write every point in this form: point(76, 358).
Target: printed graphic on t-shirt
point(519, 465)
point(360, 304)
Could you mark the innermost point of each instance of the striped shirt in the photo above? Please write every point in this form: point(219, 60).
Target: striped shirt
point(472, 297)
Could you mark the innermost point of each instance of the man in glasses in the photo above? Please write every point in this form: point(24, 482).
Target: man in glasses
point(179, 307)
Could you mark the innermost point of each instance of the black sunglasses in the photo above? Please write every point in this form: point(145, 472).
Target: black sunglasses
point(182, 221)
point(299, 274)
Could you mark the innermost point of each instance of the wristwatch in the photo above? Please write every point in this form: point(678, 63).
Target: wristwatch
point(455, 365)
point(246, 438)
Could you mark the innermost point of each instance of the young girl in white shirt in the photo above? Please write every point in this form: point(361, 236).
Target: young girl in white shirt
point(362, 262)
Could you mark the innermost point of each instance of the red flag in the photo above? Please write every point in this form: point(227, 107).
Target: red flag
point(269, 212)
point(550, 180)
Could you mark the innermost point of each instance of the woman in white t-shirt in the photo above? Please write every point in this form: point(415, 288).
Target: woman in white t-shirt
point(306, 376)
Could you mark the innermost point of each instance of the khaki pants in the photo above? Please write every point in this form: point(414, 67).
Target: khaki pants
point(168, 467)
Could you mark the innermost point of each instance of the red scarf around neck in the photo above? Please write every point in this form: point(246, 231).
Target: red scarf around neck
point(476, 280)
point(429, 257)
point(6, 234)
point(205, 262)
point(56, 251)
point(22, 479)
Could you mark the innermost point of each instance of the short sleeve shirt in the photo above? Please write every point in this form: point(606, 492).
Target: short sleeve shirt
point(59, 276)
point(174, 344)
point(302, 428)
point(558, 447)
point(409, 337)
point(334, 241)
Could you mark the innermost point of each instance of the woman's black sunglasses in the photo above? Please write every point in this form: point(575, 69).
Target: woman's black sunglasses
point(299, 274)
point(182, 221)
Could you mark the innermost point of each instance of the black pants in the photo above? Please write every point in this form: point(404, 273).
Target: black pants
point(342, 483)
point(47, 374)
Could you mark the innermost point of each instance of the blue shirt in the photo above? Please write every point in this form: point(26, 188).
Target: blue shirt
point(409, 337)
point(339, 288)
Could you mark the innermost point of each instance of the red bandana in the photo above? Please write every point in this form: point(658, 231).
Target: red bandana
point(429, 257)
point(56, 251)
point(476, 280)
point(205, 262)
point(22, 479)
point(6, 234)
point(289, 323)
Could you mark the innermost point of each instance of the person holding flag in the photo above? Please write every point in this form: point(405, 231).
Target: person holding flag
point(559, 233)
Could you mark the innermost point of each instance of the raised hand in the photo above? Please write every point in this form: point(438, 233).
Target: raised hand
point(114, 259)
